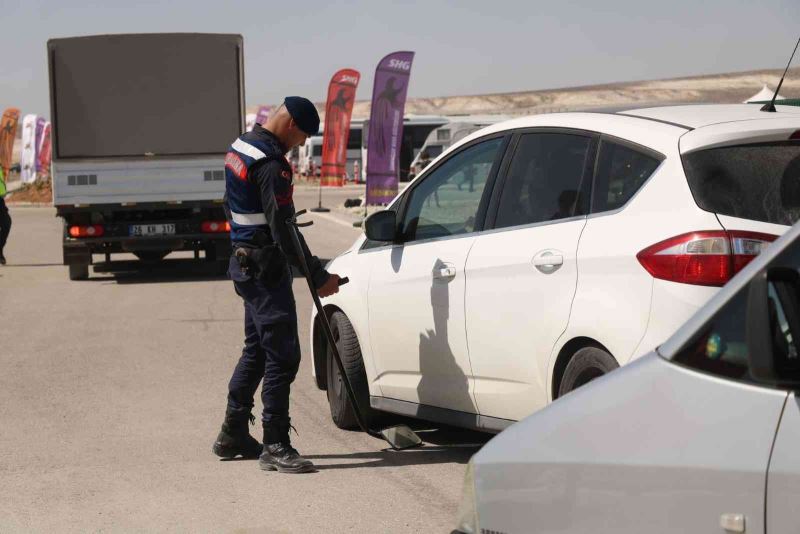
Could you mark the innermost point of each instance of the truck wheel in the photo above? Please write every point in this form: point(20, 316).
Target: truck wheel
point(350, 352)
point(78, 271)
point(584, 366)
point(151, 255)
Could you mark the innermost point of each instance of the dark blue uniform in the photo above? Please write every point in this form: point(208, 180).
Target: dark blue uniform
point(258, 201)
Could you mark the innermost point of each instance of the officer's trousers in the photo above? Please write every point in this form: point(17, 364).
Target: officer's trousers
point(5, 224)
point(271, 353)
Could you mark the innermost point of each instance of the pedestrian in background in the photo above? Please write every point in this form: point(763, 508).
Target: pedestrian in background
point(5, 218)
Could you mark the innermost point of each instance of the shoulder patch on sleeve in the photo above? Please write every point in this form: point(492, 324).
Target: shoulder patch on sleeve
point(236, 165)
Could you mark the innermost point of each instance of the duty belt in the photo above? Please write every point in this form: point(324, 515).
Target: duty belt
point(265, 263)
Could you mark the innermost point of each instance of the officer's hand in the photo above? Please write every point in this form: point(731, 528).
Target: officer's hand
point(330, 287)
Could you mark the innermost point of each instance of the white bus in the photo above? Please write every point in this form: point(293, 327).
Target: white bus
point(449, 134)
point(416, 129)
point(309, 155)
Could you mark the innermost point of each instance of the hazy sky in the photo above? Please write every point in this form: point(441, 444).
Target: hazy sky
point(463, 47)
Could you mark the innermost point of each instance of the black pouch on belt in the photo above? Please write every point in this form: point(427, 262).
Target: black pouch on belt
point(265, 263)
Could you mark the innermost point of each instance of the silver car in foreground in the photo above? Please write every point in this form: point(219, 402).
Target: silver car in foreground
point(702, 435)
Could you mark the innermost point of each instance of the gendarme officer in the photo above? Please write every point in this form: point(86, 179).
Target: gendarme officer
point(258, 201)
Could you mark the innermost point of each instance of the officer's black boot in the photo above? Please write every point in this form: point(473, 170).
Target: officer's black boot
point(234, 438)
point(279, 455)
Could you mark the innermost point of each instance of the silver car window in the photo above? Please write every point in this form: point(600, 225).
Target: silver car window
point(721, 348)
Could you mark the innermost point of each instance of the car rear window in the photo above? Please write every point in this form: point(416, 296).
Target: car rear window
point(760, 182)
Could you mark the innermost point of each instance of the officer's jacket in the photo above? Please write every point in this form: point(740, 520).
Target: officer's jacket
point(258, 196)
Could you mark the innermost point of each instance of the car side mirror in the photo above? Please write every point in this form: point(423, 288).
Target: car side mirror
point(773, 327)
point(381, 226)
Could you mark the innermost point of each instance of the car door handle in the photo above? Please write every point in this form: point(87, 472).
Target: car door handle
point(548, 261)
point(445, 272)
point(732, 522)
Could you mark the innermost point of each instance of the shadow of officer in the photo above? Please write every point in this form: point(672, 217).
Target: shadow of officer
point(442, 383)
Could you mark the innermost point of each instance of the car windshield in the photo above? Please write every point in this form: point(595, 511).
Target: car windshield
point(760, 182)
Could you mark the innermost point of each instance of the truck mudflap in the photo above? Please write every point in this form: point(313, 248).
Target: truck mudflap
point(77, 254)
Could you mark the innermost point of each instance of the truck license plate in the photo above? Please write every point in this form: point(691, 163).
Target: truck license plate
point(151, 229)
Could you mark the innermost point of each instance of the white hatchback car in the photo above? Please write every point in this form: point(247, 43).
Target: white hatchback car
point(540, 253)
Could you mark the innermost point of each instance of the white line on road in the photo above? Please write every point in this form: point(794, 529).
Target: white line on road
point(335, 220)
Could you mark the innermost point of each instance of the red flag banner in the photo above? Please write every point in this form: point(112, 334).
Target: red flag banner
point(8, 131)
point(338, 110)
point(45, 151)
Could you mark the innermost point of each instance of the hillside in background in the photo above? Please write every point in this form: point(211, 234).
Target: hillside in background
point(717, 88)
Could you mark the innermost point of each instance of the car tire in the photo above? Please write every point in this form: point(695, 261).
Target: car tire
point(78, 271)
point(350, 351)
point(584, 366)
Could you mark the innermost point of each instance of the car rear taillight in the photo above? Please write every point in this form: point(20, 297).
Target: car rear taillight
point(213, 227)
point(92, 230)
point(708, 258)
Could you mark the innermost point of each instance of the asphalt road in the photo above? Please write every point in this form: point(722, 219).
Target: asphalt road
point(112, 391)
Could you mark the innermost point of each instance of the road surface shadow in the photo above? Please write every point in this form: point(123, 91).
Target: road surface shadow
point(17, 265)
point(164, 272)
point(442, 445)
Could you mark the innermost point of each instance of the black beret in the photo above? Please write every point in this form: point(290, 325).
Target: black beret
point(304, 113)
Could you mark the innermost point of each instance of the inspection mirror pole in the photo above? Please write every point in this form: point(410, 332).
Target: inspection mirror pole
point(397, 436)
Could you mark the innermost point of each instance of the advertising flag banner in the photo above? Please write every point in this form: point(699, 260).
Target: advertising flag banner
point(338, 110)
point(45, 151)
point(386, 127)
point(8, 131)
point(249, 121)
point(27, 158)
point(40, 122)
point(263, 114)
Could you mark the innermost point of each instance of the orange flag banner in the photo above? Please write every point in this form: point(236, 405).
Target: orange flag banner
point(8, 132)
point(338, 110)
